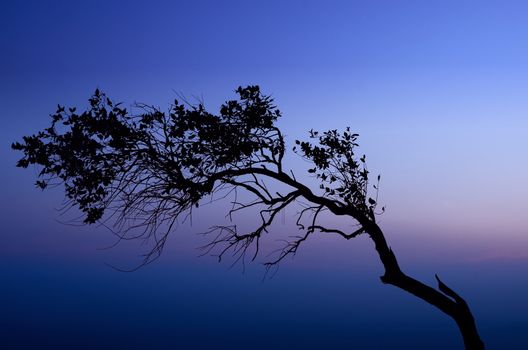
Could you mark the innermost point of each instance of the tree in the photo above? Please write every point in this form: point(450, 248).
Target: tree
point(147, 170)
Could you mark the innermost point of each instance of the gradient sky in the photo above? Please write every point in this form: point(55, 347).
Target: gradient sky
point(437, 91)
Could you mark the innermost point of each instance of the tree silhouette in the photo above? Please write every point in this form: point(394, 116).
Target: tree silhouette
point(147, 170)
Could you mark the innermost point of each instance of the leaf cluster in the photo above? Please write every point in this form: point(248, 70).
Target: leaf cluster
point(342, 174)
point(105, 154)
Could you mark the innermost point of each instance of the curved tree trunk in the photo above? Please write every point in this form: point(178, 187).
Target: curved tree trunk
point(444, 299)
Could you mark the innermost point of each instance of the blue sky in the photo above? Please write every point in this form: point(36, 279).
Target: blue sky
point(436, 89)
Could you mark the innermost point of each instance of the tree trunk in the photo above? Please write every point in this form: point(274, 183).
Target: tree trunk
point(444, 299)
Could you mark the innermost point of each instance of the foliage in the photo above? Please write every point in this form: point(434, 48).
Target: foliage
point(150, 168)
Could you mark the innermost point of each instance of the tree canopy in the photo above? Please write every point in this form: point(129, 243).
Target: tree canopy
point(151, 168)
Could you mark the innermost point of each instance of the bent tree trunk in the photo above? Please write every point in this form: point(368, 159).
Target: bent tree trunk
point(445, 299)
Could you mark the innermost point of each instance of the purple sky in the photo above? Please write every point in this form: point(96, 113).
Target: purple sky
point(437, 91)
